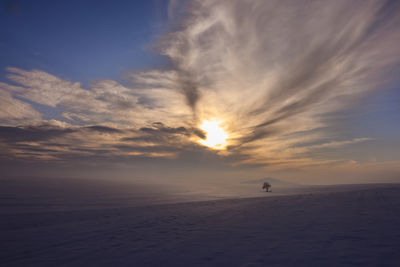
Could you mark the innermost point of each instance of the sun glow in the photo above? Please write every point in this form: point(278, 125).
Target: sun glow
point(215, 134)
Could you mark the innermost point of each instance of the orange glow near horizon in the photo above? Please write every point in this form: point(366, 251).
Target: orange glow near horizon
point(216, 137)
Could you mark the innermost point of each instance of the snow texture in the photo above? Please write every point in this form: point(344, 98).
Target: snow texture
point(352, 225)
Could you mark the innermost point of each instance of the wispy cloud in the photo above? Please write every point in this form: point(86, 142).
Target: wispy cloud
point(14, 111)
point(268, 70)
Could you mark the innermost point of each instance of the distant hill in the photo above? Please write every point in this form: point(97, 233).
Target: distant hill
point(274, 182)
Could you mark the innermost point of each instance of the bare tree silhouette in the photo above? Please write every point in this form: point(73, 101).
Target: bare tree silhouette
point(266, 186)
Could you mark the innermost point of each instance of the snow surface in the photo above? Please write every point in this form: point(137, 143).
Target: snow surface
point(348, 225)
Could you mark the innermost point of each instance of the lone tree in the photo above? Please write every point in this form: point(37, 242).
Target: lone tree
point(266, 186)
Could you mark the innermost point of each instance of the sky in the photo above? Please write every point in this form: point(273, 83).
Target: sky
point(306, 91)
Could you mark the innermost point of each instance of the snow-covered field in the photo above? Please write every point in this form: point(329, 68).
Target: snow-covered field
point(357, 225)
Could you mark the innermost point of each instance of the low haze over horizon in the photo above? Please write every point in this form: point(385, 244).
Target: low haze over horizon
point(304, 91)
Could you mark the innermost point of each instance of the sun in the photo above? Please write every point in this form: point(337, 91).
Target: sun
point(215, 135)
